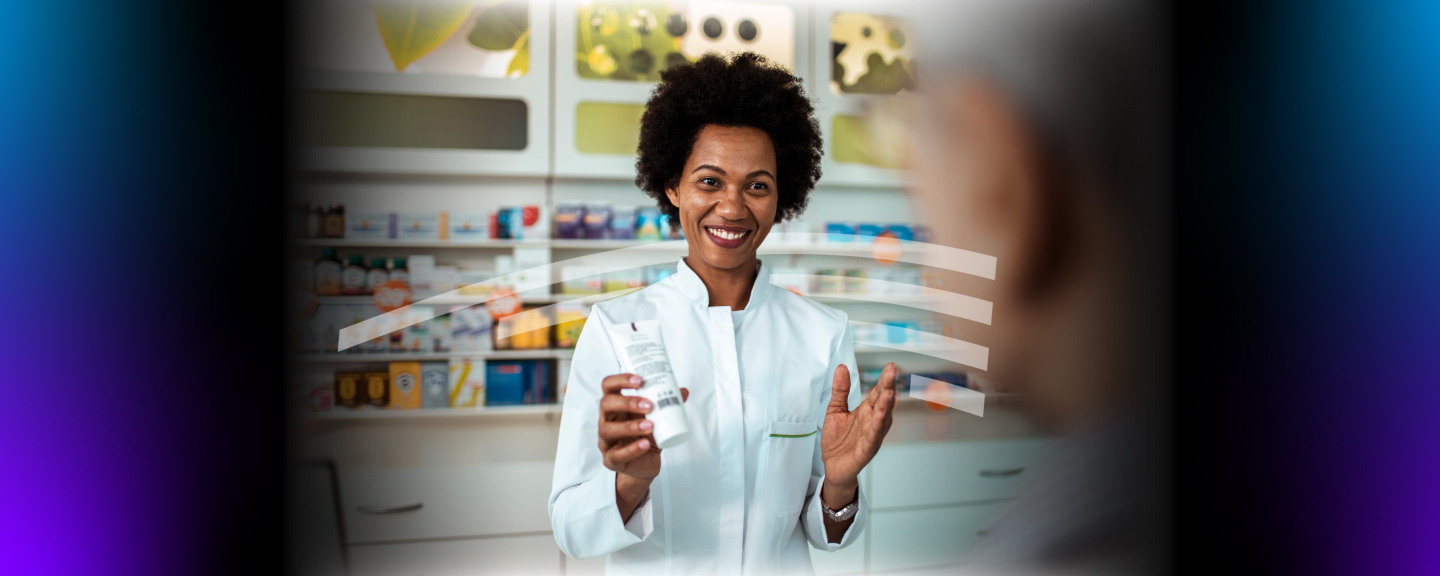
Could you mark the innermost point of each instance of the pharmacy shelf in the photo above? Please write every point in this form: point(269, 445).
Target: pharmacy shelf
point(474, 300)
point(362, 357)
point(386, 243)
point(345, 357)
point(343, 414)
point(819, 248)
point(580, 299)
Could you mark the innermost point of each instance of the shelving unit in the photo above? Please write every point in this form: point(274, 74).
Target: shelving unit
point(490, 412)
point(546, 353)
point(339, 357)
point(463, 300)
point(817, 248)
point(448, 414)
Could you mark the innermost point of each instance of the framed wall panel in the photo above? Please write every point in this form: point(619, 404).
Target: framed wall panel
point(862, 70)
point(376, 103)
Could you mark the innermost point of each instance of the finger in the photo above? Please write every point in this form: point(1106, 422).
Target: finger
point(617, 407)
point(684, 395)
point(889, 375)
point(617, 457)
point(614, 384)
point(875, 432)
point(840, 390)
point(627, 429)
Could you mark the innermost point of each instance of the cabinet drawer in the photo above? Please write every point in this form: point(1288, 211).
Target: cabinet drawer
point(506, 498)
point(847, 560)
point(527, 555)
point(932, 537)
point(926, 474)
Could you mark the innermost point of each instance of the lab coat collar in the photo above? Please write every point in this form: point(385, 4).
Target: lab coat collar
point(690, 284)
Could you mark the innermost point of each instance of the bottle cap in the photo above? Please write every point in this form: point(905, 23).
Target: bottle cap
point(399, 263)
point(328, 254)
point(377, 263)
point(357, 259)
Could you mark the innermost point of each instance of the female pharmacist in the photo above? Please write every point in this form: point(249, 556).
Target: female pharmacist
point(780, 428)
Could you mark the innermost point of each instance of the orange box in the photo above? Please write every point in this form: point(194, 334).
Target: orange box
point(404, 385)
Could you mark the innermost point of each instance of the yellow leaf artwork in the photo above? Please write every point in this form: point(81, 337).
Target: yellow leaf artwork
point(411, 29)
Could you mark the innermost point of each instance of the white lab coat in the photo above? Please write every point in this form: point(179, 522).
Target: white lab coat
point(743, 494)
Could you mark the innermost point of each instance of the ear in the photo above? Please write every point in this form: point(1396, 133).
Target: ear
point(1013, 191)
point(673, 196)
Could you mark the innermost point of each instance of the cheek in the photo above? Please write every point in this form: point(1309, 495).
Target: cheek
point(764, 208)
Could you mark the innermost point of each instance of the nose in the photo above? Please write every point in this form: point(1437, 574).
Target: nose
point(732, 205)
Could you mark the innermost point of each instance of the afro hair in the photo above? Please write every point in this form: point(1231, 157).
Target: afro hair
point(744, 90)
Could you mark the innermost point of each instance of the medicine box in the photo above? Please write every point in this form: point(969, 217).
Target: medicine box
point(468, 226)
point(405, 391)
point(582, 280)
point(470, 329)
point(622, 279)
point(515, 382)
point(419, 226)
point(434, 384)
point(349, 389)
point(467, 382)
point(376, 393)
point(368, 226)
point(839, 232)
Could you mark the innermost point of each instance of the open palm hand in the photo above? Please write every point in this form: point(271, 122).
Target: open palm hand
point(851, 438)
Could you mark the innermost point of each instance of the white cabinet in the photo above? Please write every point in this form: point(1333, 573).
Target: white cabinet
point(527, 555)
point(924, 474)
point(462, 501)
point(928, 501)
point(928, 537)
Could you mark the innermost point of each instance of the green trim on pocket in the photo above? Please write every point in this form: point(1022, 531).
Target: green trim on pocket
point(792, 435)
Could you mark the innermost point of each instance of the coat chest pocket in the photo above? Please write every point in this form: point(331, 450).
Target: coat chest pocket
point(791, 453)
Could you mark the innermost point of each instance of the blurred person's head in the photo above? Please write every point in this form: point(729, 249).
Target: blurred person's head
point(1041, 143)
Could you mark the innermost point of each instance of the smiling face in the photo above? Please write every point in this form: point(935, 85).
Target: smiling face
point(727, 196)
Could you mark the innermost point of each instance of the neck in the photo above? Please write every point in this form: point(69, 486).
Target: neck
point(727, 287)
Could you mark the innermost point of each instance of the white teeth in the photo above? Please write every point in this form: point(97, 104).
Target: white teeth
point(724, 234)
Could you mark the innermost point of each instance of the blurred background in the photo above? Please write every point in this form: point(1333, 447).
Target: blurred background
point(194, 190)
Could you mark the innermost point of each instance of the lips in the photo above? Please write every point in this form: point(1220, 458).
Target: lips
point(727, 236)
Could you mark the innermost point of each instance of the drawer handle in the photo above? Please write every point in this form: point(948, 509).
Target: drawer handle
point(390, 509)
point(1001, 473)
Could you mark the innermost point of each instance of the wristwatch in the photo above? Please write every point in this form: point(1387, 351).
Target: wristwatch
point(845, 512)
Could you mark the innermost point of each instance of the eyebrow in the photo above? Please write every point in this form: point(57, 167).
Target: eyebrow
point(723, 173)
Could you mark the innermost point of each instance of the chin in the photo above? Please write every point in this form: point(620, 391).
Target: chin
point(722, 259)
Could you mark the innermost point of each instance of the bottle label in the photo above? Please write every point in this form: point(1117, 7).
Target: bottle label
point(374, 279)
point(327, 278)
point(353, 280)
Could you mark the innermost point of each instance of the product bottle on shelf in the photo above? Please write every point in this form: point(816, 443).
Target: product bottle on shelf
point(400, 271)
point(313, 215)
point(352, 278)
point(335, 221)
point(376, 276)
point(327, 273)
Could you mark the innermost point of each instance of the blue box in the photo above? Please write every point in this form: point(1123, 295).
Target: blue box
point(869, 231)
point(517, 382)
point(901, 231)
point(504, 383)
point(622, 223)
point(839, 231)
point(898, 332)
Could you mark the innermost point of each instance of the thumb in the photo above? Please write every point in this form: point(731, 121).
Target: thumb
point(684, 394)
point(840, 390)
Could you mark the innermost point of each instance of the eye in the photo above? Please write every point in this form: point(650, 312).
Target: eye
point(759, 186)
point(708, 181)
